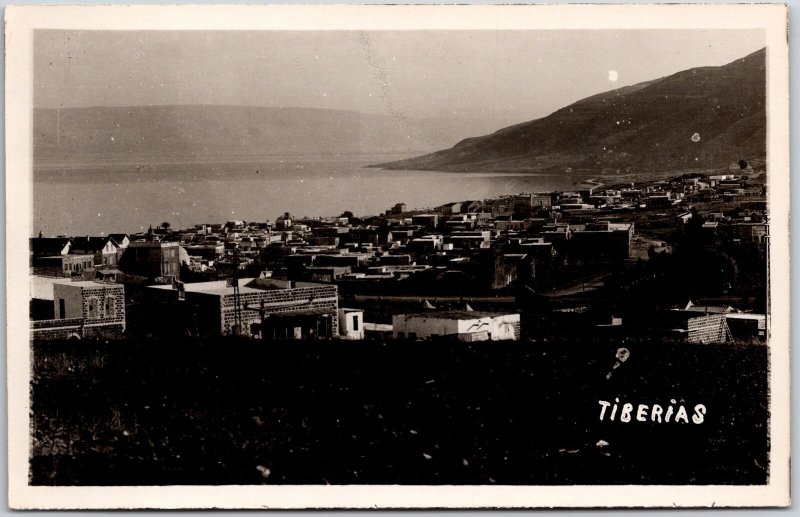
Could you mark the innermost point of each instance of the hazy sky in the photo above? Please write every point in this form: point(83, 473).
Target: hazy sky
point(488, 74)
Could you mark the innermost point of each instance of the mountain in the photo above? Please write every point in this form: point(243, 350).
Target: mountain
point(698, 119)
point(186, 132)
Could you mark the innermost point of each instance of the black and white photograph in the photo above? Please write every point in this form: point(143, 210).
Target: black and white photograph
point(341, 257)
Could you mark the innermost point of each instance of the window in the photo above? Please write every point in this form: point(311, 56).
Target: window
point(61, 308)
point(110, 301)
point(355, 322)
point(93, 311)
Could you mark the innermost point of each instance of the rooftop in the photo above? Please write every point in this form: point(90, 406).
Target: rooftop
point(459, 314)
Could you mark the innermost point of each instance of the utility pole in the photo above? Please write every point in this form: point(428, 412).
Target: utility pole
point(237, 312)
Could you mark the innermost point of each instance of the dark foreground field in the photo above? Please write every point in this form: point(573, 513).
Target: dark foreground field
point(229, 412)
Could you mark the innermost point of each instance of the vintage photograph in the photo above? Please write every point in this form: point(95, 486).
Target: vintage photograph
point(403, 257)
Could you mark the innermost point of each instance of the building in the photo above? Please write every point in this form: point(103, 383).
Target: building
point(325, 274)
point(206, 251)
point(62, 265)
point(429, 221)
point(49, 246)
point(457, 325)
point(351, 260)
point(469, 239)
point(351, 323)
point(151, 259)
point(526, 204)
point(753, 232)
point(426, 244)
point(686, 325)
point(500, 207)
point(602, 241)
point(82, 309)
point(104, 249)
point(743, 326)
point(398, 208)
point(747, 326)
point(394, 260)
point(121, 239)
point(268, 308)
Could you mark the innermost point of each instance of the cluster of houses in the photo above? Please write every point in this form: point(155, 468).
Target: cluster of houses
point(285, 279)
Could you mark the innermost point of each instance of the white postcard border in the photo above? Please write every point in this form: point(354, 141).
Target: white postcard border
point(20, 22)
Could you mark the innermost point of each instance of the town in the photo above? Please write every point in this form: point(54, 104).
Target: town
point(681, 258)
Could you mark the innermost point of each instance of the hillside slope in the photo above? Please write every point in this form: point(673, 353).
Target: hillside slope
point(648, 127)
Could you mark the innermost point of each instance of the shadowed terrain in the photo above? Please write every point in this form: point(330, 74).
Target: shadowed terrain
point(698, 119)
point(249, 412)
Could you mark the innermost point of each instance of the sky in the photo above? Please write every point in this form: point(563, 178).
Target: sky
point(492, 75)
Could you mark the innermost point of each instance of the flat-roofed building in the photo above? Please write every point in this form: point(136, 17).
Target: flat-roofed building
point(152, 259)
point(81, 309)
point(270, 308)
point(457, 325)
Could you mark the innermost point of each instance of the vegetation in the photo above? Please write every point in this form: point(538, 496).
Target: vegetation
point(249, 412)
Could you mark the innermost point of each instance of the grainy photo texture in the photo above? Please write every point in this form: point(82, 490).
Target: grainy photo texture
point(400, 257)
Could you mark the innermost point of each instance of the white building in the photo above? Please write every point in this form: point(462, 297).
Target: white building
point(351, 323)
point(461, 325)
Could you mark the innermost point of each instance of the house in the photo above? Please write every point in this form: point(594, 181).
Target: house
point(452, 208)
point(367, 235)
point(121, 239)
point(82, 309)
point(500, 207)
point(429, 221)
point(49, 246)
point(268, 308)
point(206, 251)
point(104, 249)
point(659, 199)
point(526, 204)
point(62, 265)
point(151, 259)
point(469, 239)
point(426, 244)
point(457, 325)
point(602, 240)
point(284, 222)
point(461, 223)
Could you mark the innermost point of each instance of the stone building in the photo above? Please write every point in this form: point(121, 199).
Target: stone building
point(83, 309)
point(270, 308)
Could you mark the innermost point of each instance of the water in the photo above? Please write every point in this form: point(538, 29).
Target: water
point(127, 198)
